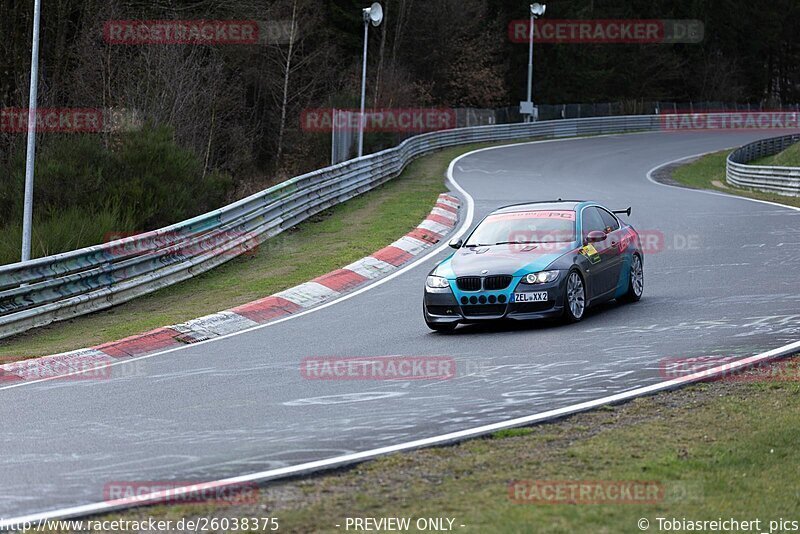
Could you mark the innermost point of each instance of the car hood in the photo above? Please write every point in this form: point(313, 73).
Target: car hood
point(502, 259)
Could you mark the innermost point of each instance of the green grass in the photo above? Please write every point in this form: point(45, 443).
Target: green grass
point(722, 449)
point(60, 230)
point(511, 433)
point(708, 172)
point(788, 158)
point(329, 241)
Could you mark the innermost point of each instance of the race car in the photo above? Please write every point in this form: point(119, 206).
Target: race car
point(534, 261)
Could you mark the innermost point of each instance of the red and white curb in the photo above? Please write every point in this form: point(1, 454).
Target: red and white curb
point(441, 221)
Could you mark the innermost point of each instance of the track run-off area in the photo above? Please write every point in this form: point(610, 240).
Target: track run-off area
point(721, 279)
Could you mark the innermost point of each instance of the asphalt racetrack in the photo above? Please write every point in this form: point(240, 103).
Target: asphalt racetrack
point(722, 281)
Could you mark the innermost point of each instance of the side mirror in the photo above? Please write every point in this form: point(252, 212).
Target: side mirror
point(456, 243)
point(595, 236)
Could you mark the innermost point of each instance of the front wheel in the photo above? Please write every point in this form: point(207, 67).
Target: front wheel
point(635, 282)
point(574, 298)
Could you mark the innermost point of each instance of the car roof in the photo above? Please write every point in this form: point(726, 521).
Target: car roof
point(542, 205)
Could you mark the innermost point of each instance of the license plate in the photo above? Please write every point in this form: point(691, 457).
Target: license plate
point(540, 296)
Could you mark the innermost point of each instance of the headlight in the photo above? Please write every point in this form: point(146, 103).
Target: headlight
point(437, 282)
point(541, 277)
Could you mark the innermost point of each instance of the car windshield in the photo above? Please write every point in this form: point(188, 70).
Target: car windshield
point(520, 227)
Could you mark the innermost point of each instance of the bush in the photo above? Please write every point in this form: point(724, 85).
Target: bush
point(161, 182)
point(63, 230)
point(84, 190)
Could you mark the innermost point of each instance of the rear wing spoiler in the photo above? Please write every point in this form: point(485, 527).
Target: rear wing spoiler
point(620, 212)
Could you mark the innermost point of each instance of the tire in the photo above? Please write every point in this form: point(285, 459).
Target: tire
point(635, 281)
point(574, 297)
point(442, 327)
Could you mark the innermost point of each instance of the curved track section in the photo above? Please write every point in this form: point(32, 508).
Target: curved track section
point(723, 281)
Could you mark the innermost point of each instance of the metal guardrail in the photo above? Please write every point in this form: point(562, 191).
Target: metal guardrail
point(773, 179)
point(54, 288)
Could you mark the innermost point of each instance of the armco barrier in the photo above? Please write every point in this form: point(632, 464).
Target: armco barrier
point(781, 180)
point(54, 288)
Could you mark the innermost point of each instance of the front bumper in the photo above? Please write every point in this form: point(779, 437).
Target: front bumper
point(444, 306)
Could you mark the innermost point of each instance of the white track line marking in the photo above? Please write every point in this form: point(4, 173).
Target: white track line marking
point(717, 193)
point(328, 463)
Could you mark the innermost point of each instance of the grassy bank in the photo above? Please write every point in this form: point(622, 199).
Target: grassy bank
point(708, 172)
point(722, 449)
point(788, 158)
point(328, 241)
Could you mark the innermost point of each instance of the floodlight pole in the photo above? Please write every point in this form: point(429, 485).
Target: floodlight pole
point(363, 86)
point(530, 58)
point(27, 217)
point(526, 107)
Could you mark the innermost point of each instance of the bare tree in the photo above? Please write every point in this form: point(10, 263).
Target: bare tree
point(287, 70)
point(301, 63)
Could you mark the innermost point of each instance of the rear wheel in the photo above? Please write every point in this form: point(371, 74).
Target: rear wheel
point(441, 327)
point(635, 282)
point(574, 298)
